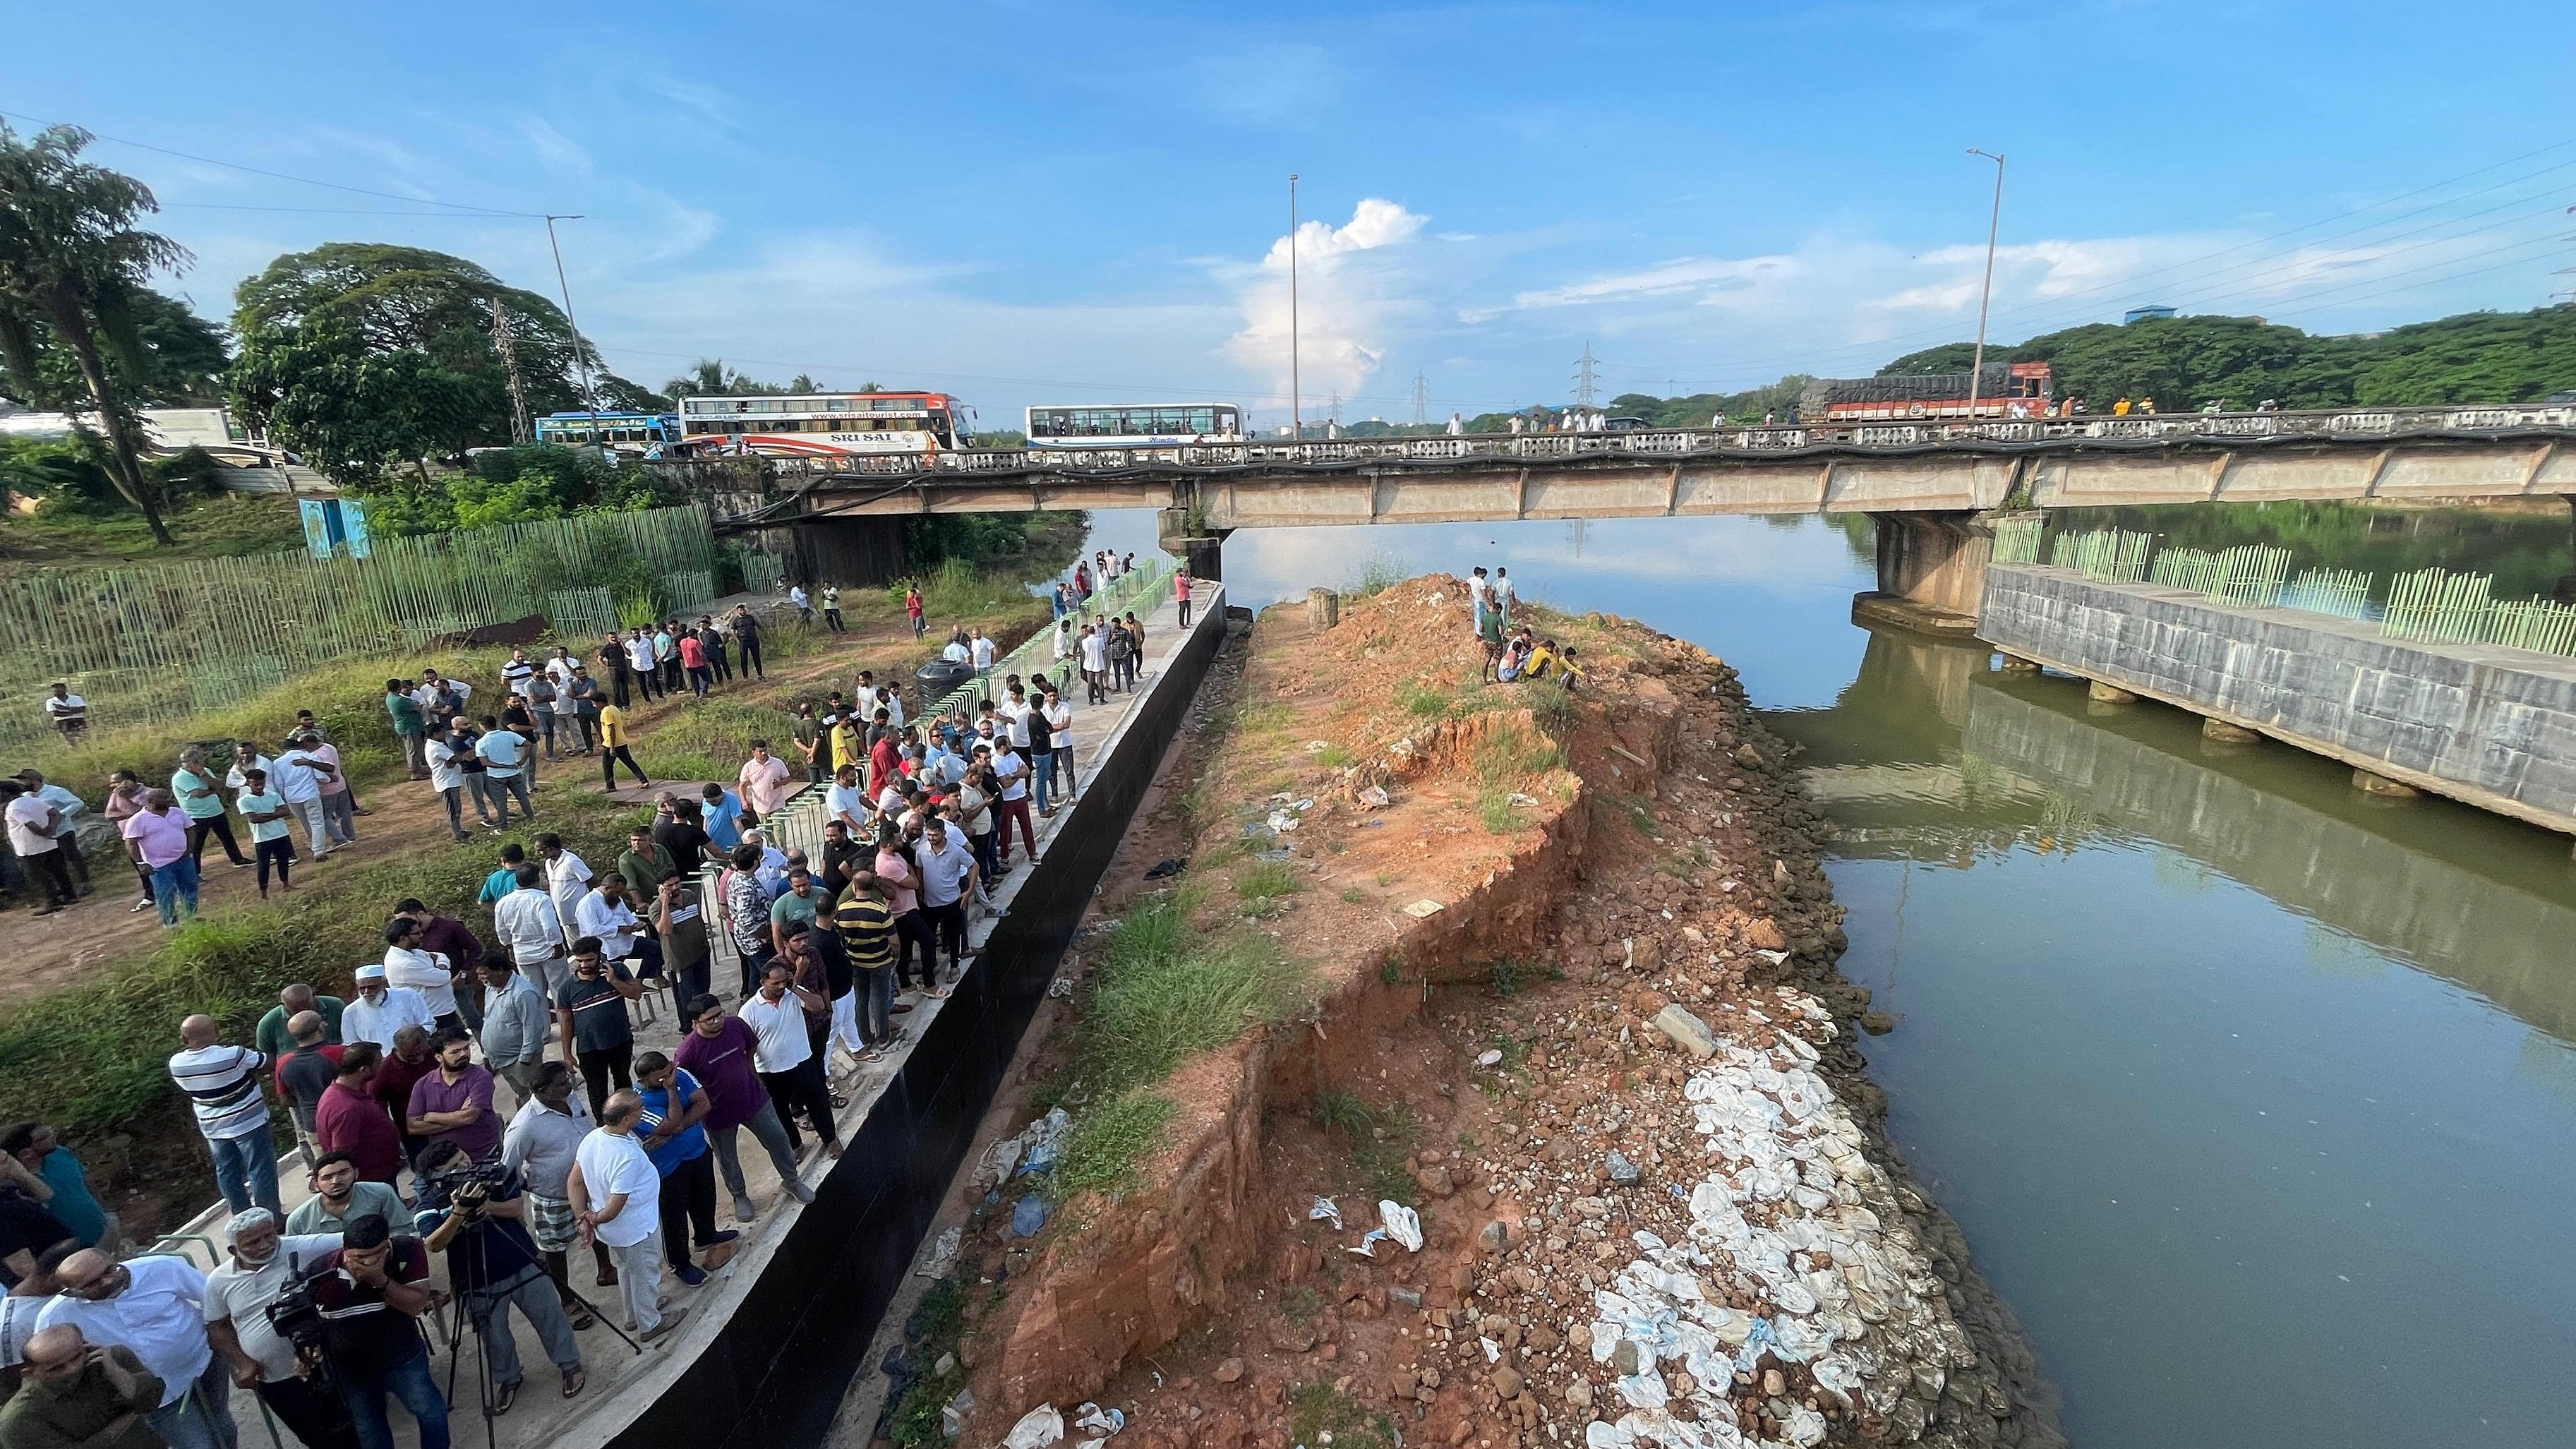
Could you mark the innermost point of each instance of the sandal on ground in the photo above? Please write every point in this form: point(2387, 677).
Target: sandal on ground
point(938, 993)
point(573, 1384)
point(581, 1316)
point(503, 1397)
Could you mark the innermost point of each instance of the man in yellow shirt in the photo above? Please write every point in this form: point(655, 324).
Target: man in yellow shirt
point(612, 748)
point(846, 740)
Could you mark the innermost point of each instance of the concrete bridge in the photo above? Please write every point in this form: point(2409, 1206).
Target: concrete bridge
point(1925, 482)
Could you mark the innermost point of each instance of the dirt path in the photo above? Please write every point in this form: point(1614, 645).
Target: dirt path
point(404, 817)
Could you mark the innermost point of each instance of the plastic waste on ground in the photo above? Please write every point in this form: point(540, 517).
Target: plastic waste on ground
point(943, 1251)
point(1325, 1210)
point(1402, 1223)
point(1037, 1428)
point(1489, 1059)
point(1374, 797)
point(1096, 1419)
point(1028, 1215)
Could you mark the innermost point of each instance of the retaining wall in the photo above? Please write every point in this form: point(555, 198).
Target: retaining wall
point(2491, 727)
point(777, 1372)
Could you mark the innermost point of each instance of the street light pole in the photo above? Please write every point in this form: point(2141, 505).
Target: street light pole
point(589, 396)
point(1296, 417)
point(1977, 367)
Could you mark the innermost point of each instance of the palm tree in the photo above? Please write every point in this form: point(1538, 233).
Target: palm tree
point(71, 263)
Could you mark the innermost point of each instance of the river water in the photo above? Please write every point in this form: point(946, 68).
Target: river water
point(2256, 1098)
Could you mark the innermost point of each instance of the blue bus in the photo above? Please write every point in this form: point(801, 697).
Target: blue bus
point(628, 434)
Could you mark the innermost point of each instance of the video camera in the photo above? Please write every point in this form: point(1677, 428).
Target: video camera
point(298, 1320)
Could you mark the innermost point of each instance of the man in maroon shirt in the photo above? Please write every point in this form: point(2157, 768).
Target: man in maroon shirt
point(454, 1103)
point(399, 1072)
point(717, 1050)
point(351, 1119)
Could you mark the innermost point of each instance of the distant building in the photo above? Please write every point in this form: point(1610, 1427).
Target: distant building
point(2141, 314)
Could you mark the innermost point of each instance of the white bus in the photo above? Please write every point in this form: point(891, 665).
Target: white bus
point(821, 425)
point(1134, 425)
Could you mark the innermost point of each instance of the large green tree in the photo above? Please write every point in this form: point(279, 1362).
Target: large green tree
point(350, 409)
point(2183, 362)
point(181, 363)
point(72, 265)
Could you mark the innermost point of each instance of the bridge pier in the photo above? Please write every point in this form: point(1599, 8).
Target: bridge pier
point(1931, 572)
point(1200, 549)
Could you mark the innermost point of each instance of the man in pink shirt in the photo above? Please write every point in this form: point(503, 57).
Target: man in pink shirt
point(911, 928)
point(157, 837)
point(763, 780)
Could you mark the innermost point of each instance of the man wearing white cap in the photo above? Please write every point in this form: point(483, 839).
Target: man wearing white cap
point(382, 1009)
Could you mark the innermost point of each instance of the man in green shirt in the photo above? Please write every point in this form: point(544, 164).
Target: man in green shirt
point(409, 727)
point(272, 1037)
point(80, 1396)
point(645, 864)
point(796, 903)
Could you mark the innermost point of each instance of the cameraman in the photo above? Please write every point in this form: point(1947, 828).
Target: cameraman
point(472, 1211)
point(238, 1295)
point(369, 1293)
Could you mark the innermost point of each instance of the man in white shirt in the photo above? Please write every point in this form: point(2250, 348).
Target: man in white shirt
point(785, 1058)
point(847, 803)
point(68, 711)
point(261, 1266)
point(246, 758)
point(957, 651)
point(567, 879)
point(1011, 768)
point(606, 914)
point(429, 973)
point(34, 828)
point(380, 1010)
point(505, 771)
point(532, 931)
point(979, 651)
point(155, 1306)
point(1095, 663)
point(763, 779)
point(1502, 595)
point(297, 778)
point(617, 1201)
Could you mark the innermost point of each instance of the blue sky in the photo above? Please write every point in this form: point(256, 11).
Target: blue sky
point(1023, 203)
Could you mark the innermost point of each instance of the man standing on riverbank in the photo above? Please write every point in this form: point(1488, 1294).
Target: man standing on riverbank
point(617, 1200)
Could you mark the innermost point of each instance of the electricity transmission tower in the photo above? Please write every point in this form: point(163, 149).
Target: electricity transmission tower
point(1584, 379)
point(1421, 401)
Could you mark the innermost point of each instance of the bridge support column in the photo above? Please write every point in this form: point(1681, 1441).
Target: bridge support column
point(1931, 572)
point(1200, 549)
point(856, 553)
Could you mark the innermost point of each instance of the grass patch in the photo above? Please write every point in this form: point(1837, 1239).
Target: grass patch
point(1376, 1140)
point(711, 738)
point(1318, 1415)
point(227, 525)
point(1511, 976)
point(1107, 1141)
point(1163, 989)
point(1385, 878)
point(1377, 573)
point(1333, 757)
point(934, 1328)
point(1421, 697)
point(1268, 878)
point(1551, 705)
point(1353, 895)
point(1300, 1303)
point(1509, 762)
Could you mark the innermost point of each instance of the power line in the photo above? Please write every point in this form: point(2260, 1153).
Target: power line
point(280, 175)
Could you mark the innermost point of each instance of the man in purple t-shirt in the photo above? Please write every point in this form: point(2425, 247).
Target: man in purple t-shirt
point(716, 1050)
point(454, 1102)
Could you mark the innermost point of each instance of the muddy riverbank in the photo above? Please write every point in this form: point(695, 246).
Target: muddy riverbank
point(1566, 998)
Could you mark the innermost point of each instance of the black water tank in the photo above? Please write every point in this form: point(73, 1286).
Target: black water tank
point(932, 682)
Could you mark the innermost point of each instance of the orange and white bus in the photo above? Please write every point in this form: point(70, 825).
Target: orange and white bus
point(822, 425)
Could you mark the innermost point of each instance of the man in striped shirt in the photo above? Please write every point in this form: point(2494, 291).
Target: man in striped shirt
point(223, 1086)
point(867, 933)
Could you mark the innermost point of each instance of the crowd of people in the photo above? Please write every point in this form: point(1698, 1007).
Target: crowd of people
point(1514, 652)
point(483, 1097)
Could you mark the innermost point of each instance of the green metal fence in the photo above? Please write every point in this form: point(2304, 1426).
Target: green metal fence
point(164, 640)
point(1137, 591)
point(2113, 555)
point(2017, 540)
point(2344, 593)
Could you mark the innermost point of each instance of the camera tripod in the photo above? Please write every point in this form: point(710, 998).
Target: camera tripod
point(472, 1229)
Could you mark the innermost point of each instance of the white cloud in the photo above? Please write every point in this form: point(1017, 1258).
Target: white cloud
point(1355, 284)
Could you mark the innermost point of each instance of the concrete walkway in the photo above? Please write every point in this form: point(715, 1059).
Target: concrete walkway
point(621, 1381)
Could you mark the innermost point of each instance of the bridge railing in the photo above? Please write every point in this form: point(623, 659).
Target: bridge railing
point(1895, 432)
